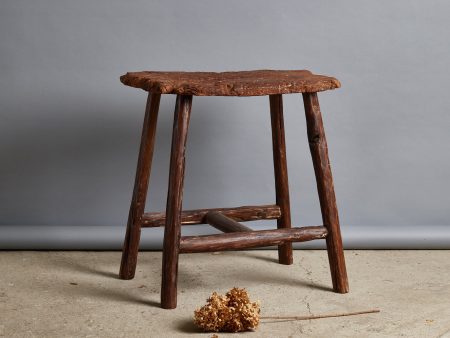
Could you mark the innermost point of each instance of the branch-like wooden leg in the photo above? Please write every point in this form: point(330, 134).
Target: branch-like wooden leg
point(281, 175)
point(131, 244)
point(172, 231)
point(325, 187)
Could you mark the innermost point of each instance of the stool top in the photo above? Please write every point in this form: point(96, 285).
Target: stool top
point(244, 83)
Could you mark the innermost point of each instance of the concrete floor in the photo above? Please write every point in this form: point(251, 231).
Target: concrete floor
point(78, 294)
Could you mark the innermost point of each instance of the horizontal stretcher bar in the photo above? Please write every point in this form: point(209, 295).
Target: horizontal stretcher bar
point(250, 239)
point(240, 214)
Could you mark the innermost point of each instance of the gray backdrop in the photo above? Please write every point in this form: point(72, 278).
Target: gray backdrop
point(69, 130)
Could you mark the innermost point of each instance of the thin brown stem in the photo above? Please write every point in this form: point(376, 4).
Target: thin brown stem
point(328, 315)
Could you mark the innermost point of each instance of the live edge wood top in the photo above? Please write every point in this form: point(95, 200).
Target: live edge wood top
point(243, 83)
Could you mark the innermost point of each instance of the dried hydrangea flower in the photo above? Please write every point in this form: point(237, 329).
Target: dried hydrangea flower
point(233, 312)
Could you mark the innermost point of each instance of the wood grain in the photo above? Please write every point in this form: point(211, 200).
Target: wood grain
point(224, 223)
point(191, 217)
point(251, 239)
point(132, 237)
point(281, 174)
point(243, 83)
point(172, 230)
point(236, 235)
point(319, 152)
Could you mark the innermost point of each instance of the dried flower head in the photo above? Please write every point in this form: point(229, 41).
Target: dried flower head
point(230, 313)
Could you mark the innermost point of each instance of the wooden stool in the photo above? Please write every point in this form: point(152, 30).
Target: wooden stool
point(237, 236)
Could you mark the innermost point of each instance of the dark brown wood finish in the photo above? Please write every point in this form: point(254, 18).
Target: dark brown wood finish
point(236, 235)
point(172, 231)
point(131, 244)
point(243, 83)
point(190, 217)
point(325, 187)
point(224, 223)
point(281, 174)
point(251, 239)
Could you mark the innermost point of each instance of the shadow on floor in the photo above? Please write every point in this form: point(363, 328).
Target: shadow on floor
point(266, 276)
point(85, 288)
point(186, 325)
point(93, 291)
point(187, 279)
point(75, 266)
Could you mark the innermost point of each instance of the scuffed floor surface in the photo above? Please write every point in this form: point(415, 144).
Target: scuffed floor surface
point(78, 294)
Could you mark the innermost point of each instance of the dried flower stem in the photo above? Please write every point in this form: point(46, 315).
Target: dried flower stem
point(329, 315)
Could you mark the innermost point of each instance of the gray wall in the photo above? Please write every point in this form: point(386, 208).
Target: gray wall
point(69, 131)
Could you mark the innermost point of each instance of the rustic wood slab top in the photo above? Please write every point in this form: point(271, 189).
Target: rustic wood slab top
point(244, 83)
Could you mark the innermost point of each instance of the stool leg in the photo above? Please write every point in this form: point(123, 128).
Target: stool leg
point(172, 231)
point(281, 175)
point(325, 187)
point(131, 244)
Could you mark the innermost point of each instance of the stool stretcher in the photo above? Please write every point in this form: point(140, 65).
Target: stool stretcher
point(250, 239)
point(191, 217)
